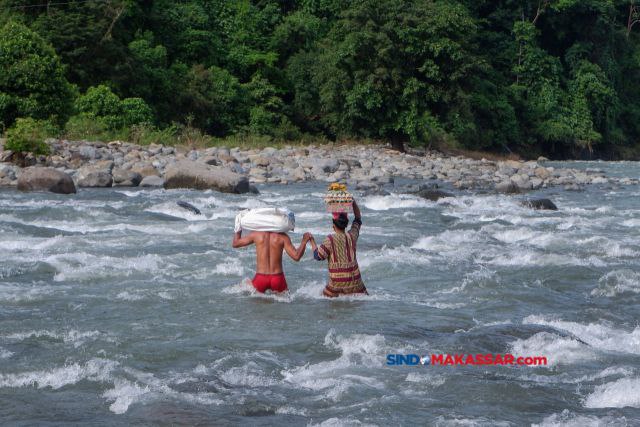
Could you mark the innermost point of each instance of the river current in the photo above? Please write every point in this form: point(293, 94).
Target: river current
point(118, 307)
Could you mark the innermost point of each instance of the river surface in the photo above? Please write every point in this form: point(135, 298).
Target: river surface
point(118, 307)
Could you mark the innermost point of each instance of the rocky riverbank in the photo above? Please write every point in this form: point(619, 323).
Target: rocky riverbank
point(367, 168)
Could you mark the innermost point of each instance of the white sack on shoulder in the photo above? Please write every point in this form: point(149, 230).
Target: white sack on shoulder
point(279, 220)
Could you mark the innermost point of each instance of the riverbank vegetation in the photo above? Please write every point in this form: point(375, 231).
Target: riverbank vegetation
point(545, 77)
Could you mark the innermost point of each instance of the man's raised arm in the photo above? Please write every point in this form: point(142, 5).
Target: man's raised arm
point(239, 241)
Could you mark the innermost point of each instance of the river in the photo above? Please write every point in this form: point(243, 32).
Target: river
point(118, 307)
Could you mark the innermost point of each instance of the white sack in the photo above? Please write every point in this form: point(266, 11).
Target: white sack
point(265, 219)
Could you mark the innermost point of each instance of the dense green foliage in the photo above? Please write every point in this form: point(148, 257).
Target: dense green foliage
point(554, 77)
point(32, 80)
point(27, 135)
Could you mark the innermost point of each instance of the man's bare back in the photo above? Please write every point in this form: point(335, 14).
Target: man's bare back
point(269, 248)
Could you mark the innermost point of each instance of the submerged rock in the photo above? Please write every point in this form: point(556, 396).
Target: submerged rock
point(45, 179)
point(542, 204)
point(433, 195)
point(189, 207)
point(200, 176)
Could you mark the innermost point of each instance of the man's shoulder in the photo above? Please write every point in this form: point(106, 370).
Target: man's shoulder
point(282, 236)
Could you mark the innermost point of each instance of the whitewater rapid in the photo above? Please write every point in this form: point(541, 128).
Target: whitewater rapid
point(118, 307)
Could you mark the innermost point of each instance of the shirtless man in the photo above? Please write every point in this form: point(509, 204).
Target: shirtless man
point(269, 247)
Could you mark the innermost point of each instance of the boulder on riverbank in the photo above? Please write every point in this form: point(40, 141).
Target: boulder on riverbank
point(200, 176)
point(152, 181)
point(124, 178)
point(96, 175)
point(507, 187)
point(45, 179)
point(363, 167)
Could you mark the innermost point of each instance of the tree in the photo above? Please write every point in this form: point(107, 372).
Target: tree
point(392, 69)
point(214, 99)
point(32, 82)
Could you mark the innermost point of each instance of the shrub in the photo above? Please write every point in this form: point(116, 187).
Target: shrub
point(27, 135)
point(87, 127)
point(101, 103)
point(135, 111)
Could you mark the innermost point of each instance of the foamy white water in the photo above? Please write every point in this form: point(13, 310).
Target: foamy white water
point(118, 307)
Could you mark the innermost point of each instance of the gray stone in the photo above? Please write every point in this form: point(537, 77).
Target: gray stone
point(226, 157)
point(96, 175)
point(542, 204)
point(6, 182)
point(151, 181)
point(433, 195)
point(145, 169)
point(189, 207)
point(6, 156)
point(189, 174)
point(155, 149)
point(353, 163)
point(573, 187)
point(87, 152)
point(536, 183)
point(599, 180)
point(328, 165)
point(298, 174)
point(522, 181)
point(8, 171)
point(542, 173)
point(94, 178)
point(261, 161)
point(125, 178)
point(45, 179)
point(366, 185)
point(235, 167)
point(507, 187)
point(210, 160)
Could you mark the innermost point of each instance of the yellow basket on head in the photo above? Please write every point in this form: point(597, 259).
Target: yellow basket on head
point(338, 198)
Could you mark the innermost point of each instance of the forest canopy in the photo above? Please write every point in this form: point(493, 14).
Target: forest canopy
point(553, 77)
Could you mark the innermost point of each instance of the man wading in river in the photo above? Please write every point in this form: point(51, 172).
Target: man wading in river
point(269, 248)
point(339, 249)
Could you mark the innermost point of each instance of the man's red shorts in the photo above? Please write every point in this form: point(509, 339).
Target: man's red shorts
point(275, 282)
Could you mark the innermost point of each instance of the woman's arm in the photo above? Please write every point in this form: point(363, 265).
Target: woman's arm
point(356, 211)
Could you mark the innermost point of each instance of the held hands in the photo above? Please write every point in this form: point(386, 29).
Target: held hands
point(308, 237)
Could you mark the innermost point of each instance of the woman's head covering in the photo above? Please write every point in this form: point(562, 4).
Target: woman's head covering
point(340, 220)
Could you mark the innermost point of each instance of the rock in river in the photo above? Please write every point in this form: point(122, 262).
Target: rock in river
point(433, 195)
point(544, 204)
point(45, 179)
